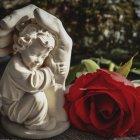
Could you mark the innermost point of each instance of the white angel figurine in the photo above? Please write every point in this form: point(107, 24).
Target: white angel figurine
point(33, 84)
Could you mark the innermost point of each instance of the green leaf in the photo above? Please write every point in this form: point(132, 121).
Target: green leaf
point(136, 83)
point(125, 69)
point(105, 61)
point(78, 74)
point(72, 73)
point(111, 67)
point(90, 65)
point(135, 71)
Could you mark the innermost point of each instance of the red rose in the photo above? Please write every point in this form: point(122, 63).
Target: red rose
point(104, 102)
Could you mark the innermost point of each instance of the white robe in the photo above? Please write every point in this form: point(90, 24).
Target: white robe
point(23, 97)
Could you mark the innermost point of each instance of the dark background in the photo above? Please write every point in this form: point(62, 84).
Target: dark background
point(107, 28)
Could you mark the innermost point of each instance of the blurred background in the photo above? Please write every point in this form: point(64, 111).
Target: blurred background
point(107, 29)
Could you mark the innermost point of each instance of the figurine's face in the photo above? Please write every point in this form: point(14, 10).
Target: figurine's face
point(35, 55)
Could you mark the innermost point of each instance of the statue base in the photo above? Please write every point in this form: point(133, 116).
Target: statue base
point(21, 131)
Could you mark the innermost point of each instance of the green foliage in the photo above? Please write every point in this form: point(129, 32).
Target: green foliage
point(86, 66)
point(136, 82)
point(125, 69)
point(92, 64)
point(73, 71)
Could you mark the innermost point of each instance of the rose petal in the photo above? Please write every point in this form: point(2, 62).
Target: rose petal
point(138, 93)
point(108, 100)
point(116, 77)
point(135, 130)
point(125, 122)
point(97, 121)
point(75, 120)
point(105, 105)
point(124, 97)
point(82, 107)
point(123, 94)
point(81, 83)
point(116, 96)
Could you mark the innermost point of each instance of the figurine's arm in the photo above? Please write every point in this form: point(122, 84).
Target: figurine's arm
point(36, 81)
point(40, 79)
point(30, 81)
point(62, 51)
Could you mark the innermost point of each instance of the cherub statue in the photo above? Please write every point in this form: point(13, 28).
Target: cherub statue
point(33, 84)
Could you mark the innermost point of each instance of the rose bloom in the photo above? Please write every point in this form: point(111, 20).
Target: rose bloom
point(104, 103)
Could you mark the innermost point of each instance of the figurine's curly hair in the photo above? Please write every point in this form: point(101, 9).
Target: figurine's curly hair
point(31, 32)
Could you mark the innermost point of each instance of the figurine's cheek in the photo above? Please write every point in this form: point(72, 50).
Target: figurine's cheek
point(32, 58)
